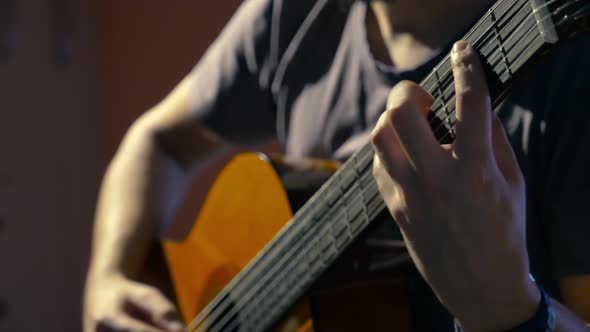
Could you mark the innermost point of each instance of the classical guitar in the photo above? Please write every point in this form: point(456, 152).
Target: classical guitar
point(248, 261)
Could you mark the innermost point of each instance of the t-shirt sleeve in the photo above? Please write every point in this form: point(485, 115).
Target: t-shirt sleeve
point(230, 92)
point(567, 186)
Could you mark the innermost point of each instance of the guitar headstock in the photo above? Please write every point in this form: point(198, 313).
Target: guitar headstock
point(569, 16)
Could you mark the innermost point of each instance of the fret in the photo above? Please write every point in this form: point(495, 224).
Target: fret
point(534, 42)
point(430, 84)
point(331, 195)
point(501, 58)
point(347, 176)
point(524, 38)
point(500, 41)
point(443, 98)
point(341, 241)
point(506, 24)
point(325, 245)
point(364, 159)
point(339, 227)
point(366, 181)
point(362, 185)
point(357, 208)
point(375, 205)
point(329, 254)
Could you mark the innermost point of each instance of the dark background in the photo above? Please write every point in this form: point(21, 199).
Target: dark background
point(73, 76)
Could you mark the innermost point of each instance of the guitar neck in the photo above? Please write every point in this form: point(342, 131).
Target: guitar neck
point(507, 37)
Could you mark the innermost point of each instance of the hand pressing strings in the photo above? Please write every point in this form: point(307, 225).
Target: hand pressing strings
point(460, 207)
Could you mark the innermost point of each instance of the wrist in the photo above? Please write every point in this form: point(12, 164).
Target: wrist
point(504, 313)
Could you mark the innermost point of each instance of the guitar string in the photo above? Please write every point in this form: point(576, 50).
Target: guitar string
point(325, 231)
point(447, 78)
point(448, 82)
point(270, 288)
point(452, 113)
point(474, 29)
point(318, 247)
point(500, 74)
point(535, 10)
point(451, 107)
point(579, 13)
point(480, 24)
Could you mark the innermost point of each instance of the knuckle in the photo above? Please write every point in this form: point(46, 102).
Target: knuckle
point(408, 93)
point(383, 125)
point(377, 168)
point(402, 93)
point(380, 125)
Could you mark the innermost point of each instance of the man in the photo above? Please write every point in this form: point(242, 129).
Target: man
point(316, 76)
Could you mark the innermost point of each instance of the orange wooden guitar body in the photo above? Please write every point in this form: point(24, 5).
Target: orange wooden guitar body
point(245, 207)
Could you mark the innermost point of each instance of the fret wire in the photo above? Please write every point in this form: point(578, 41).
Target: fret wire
point(483, 43)
point(510, 44)
point(530, 51)
point(531, 29)
point(274, 266)
point(520, 15)
point(340, 231)
point(443, 99)
point(324, 235)
point(536, 40)
point(500, 42)
point(505, 19)
point(471, 37)
point(448, 75)
point(448, 89)
point(339, 240)
point(528, 48)
point(378, 205)
point(486, 47)
point(292, 264)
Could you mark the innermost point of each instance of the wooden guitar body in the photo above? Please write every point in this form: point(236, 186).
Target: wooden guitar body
point(244, 209)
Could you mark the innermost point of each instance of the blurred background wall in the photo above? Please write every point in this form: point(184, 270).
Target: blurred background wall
point(73, 76)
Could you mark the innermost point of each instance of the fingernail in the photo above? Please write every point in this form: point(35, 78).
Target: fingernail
point(460, 46)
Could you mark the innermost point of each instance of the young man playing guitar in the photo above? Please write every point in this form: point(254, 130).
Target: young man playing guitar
point(318, 79)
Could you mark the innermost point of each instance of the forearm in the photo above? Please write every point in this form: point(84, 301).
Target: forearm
point(139, 190)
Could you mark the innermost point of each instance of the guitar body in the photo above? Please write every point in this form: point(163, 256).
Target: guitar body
point(244, 209)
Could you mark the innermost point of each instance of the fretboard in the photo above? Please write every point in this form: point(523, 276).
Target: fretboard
point(507, 37)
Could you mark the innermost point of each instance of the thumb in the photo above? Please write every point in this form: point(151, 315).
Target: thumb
point(148, 304)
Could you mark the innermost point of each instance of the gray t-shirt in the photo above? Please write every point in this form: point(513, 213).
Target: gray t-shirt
point(302, 71)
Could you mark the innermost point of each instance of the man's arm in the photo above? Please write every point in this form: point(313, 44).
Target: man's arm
point(140, 189)
point(461, 207)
